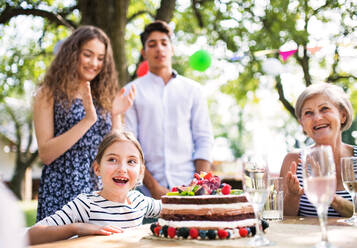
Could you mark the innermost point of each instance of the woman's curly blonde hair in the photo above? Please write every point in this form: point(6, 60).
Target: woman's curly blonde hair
point(63, 71)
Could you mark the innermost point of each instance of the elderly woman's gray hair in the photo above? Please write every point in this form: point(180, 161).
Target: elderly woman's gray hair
point(335, 93)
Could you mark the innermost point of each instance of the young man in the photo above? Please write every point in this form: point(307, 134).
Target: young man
point(169, 117)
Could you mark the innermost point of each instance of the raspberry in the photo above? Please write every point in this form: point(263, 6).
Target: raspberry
point(208, 175)
point(194, 233)
point(157, 230)
point(222, 234)
point(226, 189)
point(243, 232)
point(197, 176)
point(171, 231)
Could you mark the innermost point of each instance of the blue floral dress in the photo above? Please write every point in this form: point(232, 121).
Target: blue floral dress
point(71, 173)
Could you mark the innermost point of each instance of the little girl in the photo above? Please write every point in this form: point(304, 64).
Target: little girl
point(120, 164)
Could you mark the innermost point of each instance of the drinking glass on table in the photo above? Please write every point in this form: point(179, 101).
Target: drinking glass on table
point(256, 188)
point(349, 179)
point(274, 206)
point(319, 175)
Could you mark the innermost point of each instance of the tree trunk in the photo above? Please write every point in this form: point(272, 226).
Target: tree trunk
point(111, 16)
point(166, 10)
point(17, 178)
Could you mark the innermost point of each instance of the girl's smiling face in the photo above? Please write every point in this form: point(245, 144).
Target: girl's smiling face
point(120, 170)
point(91, 59)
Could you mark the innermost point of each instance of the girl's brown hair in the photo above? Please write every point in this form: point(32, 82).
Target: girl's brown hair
point(62, 73)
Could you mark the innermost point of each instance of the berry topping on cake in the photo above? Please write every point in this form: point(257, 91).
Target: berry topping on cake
point(226, 190)
point(222, 234)
point(171, 231)
point(243, 232)
point(193, 233)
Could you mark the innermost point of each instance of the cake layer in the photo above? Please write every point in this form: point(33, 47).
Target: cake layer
point(203, 199)
point(206, 225)
point(210, 217)
point(207, 209)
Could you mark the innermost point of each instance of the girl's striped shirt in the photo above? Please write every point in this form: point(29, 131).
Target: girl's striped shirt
point(93, 208)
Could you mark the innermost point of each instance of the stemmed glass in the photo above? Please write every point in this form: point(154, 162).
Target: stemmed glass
point(349, 179)
point(256, 187)
point(319, 175)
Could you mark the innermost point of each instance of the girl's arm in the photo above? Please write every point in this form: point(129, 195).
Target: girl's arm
point(292, 189)
point(44, 234)
point(50, 147)
point(121, 104)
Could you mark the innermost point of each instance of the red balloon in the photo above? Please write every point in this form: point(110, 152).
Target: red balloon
point(143, 68)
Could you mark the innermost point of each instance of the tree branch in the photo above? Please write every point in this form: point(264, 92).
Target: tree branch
point(283, 100)
point(10, 12)
point(140, 12)
point(30, 135)
point(32, 158)
point(195, 3)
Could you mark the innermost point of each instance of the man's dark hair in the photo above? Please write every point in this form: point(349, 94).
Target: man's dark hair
point(157, 25)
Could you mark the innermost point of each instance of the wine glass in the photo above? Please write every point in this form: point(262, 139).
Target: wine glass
point(349, 179)
point(319, 175)
point(256, 187)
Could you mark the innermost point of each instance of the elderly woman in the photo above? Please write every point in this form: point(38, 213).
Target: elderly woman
point(324, 111)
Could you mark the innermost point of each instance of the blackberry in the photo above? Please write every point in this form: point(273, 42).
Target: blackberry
point(253, 230)
point(164, 230)
point(211, 234)
point(265, 224)
point(152, 227)
point(183, 232)
point(202, 233)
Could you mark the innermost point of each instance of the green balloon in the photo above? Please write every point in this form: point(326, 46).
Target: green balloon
point(200, 60)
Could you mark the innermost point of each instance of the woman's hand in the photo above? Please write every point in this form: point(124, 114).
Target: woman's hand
point(343, 206)
point(292, 182)
point(86, 94)
point(82, 229)
point(122, 103)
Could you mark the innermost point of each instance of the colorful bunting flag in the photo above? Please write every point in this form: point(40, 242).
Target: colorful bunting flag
point(285, 55)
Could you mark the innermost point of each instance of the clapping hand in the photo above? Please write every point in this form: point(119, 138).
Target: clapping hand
point(86, 95)
point(292, 182)
point(123, 102)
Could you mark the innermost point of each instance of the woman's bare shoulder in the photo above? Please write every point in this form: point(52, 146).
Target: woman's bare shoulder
point(289, 158)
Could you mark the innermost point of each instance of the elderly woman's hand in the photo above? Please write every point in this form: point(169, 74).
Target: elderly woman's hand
point(292, 182)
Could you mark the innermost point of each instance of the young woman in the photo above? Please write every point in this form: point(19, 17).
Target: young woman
point(77, 104)
point(120, 164)
point(324, 111)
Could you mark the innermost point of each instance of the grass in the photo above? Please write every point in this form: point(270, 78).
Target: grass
point(29, 208)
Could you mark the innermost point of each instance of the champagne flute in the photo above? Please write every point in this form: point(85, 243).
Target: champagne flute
point(256, 187)
point(319, 175)
point(349, 179)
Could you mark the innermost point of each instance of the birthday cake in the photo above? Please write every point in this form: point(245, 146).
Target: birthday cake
point(206, 209)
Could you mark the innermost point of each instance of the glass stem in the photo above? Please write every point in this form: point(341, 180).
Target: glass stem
point(354, 200)
point(322, 212)
point(258, 224)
